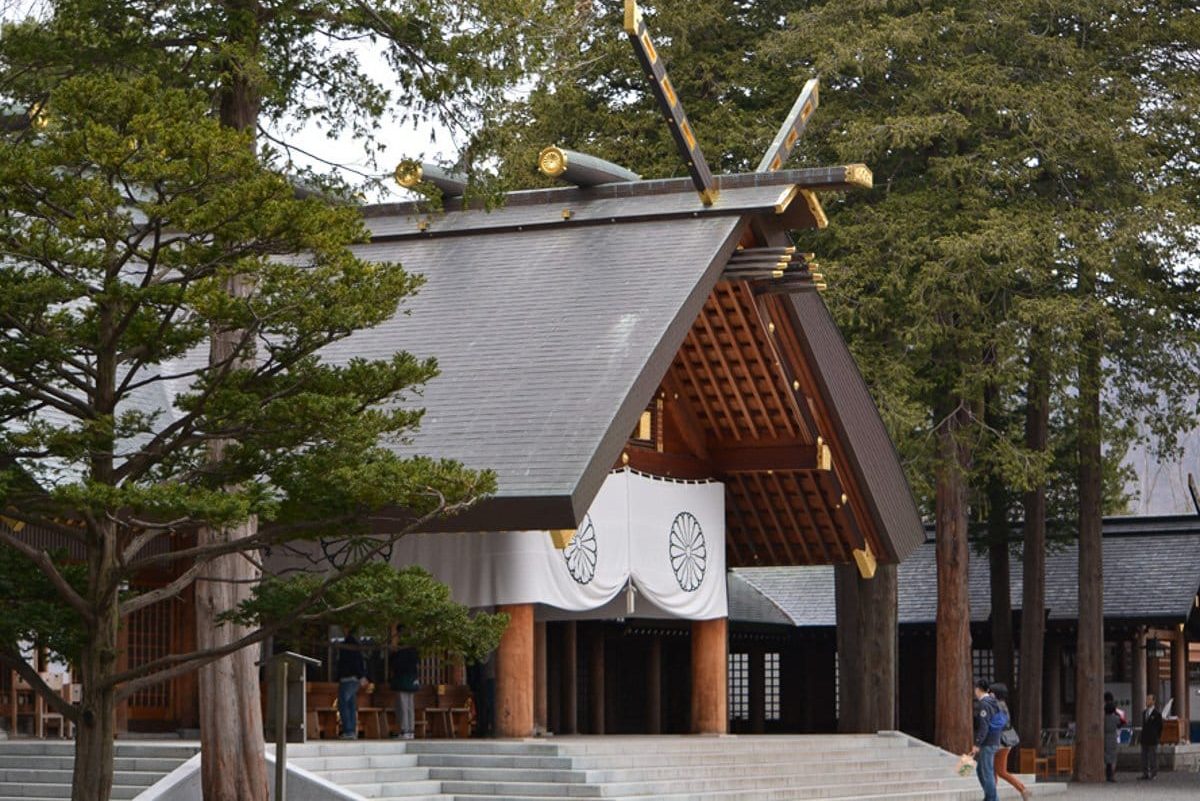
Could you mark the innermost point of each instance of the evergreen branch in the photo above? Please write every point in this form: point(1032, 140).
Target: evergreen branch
point(48, 395)
point(266, 535)
point(164, 668)
point(46, 565)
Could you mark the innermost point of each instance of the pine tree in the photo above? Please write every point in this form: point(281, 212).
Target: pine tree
point(127, 210)
point(265, 65)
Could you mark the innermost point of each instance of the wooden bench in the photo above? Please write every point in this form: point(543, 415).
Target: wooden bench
point(452, 715)
point(321, 715)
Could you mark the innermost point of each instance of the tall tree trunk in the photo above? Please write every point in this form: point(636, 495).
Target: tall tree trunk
point(1089, 649)
point(998, 557)
point(92, 777)
point(233, 766)
point(1033, 593)
point(952, 722)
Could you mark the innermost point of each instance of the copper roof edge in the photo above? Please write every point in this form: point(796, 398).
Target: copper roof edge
point(839, 178)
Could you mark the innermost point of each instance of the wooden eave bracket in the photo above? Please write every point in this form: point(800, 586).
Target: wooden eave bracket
point(865, 561)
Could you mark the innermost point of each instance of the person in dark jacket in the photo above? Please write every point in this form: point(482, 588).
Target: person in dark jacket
point(351, 674)
point(1152, 725)
point(405, 669)
point(999, 691)
point(987, 740)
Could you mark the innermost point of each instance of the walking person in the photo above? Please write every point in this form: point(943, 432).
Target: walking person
point(1009, 739)
point(1112, 723)
point(1152, 724)
point(988, 726)
point(351, 674)
point(405, 681)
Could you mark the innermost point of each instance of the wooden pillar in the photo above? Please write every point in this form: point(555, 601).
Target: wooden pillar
point(1053, 687)
point(596, 671)
point(514, 673)
point(868, 642)
point(539, 677)
point(710, 680)
point(654, 686)
point(1179, 686)
point(570, 678)
point(1138, 704)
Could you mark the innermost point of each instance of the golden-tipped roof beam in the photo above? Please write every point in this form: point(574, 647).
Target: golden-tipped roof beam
point(410, 172)
point(582, 169)
point(668, 103)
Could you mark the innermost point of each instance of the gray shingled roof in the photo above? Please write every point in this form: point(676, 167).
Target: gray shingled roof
point(550, 340)
point(1151, 572)
point(553, 319)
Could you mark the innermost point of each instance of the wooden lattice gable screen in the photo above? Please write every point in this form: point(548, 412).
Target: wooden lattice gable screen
point(741, 402)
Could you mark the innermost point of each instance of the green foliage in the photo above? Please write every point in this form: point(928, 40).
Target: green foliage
point(302, 61)
point(370, 602)
point(125, 219)
point(31, 610)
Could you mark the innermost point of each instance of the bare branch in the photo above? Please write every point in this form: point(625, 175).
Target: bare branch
point(169, 590)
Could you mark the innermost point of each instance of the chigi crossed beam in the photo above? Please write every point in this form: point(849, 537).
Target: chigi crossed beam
point(668, 101)
point(681, 130)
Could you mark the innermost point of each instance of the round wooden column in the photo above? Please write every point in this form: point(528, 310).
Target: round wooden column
point(710, 684)
point(514, 673)
point(1138, 702)
point(540, 696)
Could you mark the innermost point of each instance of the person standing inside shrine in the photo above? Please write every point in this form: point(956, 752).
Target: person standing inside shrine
point(351, 674)
point(404, 680)
point(1152, 724)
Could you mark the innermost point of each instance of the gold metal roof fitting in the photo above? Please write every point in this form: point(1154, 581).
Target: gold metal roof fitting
point(408, 173)
point(552, 161)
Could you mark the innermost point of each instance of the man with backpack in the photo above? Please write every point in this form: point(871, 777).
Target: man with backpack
point(990, 722)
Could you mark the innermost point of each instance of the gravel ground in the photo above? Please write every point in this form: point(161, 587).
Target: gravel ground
point(1167, 786)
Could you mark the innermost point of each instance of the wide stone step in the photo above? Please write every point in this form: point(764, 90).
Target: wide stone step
point(58, 791)
point(881, 771)
point(810, 761)
point(38, 776)
point(514, 747)
point(395, 789)
point(899, 794)
point(41, 762)
point(695, 742)
point(800, 787)
point(375, 775)
point(495, 761)
point(321, 764)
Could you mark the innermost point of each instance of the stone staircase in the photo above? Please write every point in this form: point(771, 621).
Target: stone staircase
point(890, 767)
point(41, 769)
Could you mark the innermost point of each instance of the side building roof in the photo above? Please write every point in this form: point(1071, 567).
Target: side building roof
point(1151, 573)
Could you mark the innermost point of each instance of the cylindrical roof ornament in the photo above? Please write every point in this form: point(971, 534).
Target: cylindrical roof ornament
point(411, 172)
point(582, 169)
